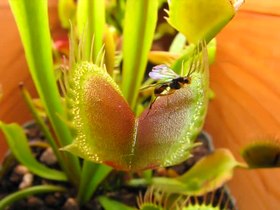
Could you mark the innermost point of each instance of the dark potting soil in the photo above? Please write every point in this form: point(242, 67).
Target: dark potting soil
point(14, 177)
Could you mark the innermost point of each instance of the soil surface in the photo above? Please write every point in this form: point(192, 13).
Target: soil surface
point(14, 176)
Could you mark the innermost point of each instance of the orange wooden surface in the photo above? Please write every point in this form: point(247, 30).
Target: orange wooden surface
point(245, 79)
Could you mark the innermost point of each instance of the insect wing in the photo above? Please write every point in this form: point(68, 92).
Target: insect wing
point(163, 72)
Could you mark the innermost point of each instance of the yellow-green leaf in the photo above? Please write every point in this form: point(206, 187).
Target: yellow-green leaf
point(104, 121)
point(206, 175)
point(200, 19)
point(18, 144)
point(160, 57)
point(139, 27)
point(66, 12)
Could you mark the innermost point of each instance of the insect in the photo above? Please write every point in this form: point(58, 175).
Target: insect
point(167, 81)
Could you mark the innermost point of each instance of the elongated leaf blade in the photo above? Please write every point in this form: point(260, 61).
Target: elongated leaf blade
point(18, 144)
point(140, 23)
point(33, 25)
point(10, 199)
point(28, 100)
point(66, 12)
point(91, 21)
point(89, 184)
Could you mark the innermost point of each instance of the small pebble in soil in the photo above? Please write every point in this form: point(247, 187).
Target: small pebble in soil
point(51, 201)
point(21, 169)
point(48, 157)
point(70, 204)
point(33, 201)
point(27, 180)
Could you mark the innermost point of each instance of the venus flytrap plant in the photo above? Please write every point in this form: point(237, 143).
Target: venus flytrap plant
point(99, 118)
point(102, 117)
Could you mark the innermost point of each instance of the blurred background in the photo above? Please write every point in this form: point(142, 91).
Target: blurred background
point(245, 78)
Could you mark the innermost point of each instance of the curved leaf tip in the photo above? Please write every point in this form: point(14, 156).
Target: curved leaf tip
point(16, 139)
point(208, 174)
point(199, 20)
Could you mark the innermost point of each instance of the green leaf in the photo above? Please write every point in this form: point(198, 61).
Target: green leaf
point(206, 175)
point(89, 184)
point(187, 55)
point(262, 154)
point(139, 27)
point(200, 20)
point(104, 121)
point(178, 44)
point(110, 48)
point(109, 204)
point(166, 132)
point(160, 57)
point(11, 198)
point(91, 22)
point(47, 134)
point(6, 163)
point(66, 12)
point(18, 144)
point(33, 25)
point(212, 48)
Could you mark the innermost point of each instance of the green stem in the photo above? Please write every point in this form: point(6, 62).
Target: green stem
point(88, 183)
point(10, 199)
point(27, 98)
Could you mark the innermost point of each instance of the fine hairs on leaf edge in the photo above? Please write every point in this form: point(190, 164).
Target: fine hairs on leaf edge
point(76, 56)
point(156, 199)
